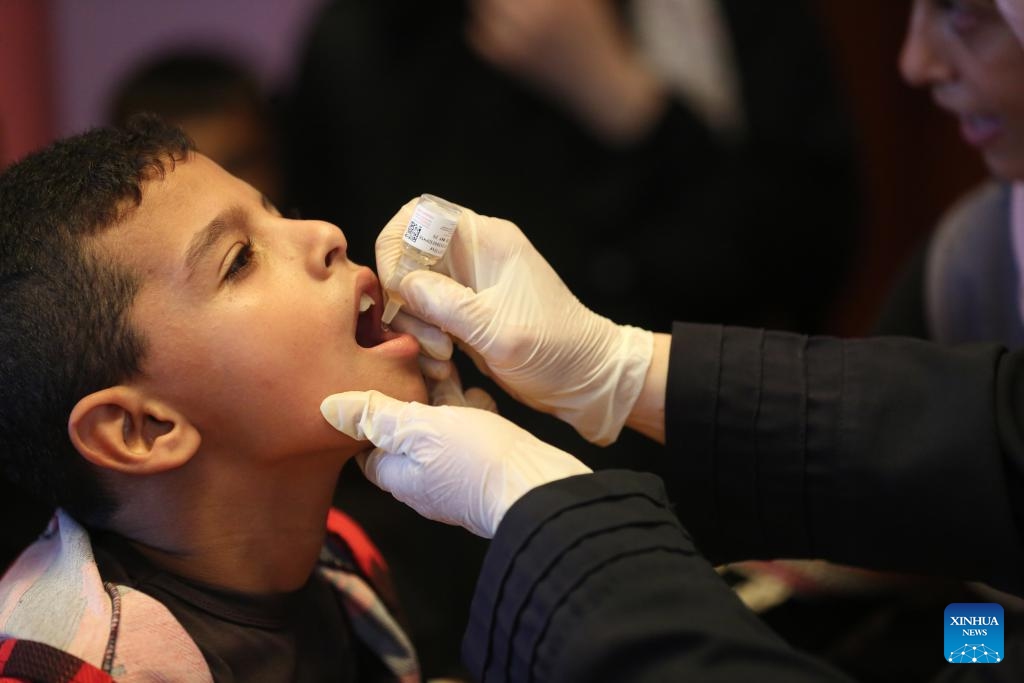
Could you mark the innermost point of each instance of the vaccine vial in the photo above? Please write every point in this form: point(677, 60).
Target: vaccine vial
point(426, 240)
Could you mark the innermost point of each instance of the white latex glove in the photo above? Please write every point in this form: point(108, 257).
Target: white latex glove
point(457, 465)
point(449, 392)
point(523, 326)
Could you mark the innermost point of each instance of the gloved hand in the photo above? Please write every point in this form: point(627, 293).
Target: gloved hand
point(449, 392)
point(435, 346)
point(498, 296)
point(456, 465)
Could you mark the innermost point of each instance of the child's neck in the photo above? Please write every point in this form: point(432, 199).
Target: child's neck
point(258, 532)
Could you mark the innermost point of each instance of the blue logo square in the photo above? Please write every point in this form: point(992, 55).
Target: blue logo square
point(974, 633)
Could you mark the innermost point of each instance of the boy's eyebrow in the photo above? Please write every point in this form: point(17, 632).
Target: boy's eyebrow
point(207, 237)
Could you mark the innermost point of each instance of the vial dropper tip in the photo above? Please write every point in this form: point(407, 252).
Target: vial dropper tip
point(390, 311)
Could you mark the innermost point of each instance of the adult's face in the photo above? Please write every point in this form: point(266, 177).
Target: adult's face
point(968, 55)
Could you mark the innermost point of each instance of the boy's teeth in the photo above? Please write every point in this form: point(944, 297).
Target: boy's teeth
point(365, 301)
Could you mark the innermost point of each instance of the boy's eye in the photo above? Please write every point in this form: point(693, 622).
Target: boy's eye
point(241, 262)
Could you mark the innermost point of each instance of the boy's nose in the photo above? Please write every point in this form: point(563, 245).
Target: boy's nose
point(328, 247)
point(923, 60)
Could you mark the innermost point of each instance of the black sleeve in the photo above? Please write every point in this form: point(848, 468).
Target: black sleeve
point(887, 453)
point(592, 578)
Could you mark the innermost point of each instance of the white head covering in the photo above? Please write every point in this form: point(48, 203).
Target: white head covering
point(1013, 11)
point(1017, 228)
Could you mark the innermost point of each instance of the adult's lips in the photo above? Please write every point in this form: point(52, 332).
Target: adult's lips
point(979, 130)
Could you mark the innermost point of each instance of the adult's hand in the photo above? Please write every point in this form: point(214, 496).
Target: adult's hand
point(452, 464)
point(498, 296)
point(575, 51)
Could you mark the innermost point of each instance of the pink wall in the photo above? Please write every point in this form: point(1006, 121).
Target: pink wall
point(96, 42)
point(60, 59)
point(26, 92)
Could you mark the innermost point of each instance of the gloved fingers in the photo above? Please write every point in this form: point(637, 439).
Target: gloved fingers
point(433, 342)
point(481, 250)
point(484, 250)
point(372, 416)
point(476, 397)
point(346, 411)
point(365, 456)
point(388, 247)
point(387, 470)
point(443, 302)
point(435, 370)
point(447, 392)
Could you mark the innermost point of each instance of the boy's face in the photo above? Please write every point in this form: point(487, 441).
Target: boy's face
point(970, 58)
point(251, 319)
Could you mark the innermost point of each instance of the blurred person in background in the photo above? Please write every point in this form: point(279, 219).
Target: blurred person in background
point(965, 283)
point(218, 102)
point(714, 125)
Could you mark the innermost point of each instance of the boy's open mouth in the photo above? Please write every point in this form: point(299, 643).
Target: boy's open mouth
point(369, 331)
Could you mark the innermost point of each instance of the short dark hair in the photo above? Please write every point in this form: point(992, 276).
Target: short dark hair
point(64, 328)
point(179, 85)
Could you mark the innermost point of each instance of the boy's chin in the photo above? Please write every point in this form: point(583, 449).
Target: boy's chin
point(420, 391)
point(411, 388)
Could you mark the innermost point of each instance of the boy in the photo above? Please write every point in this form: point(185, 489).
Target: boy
point(167, 337)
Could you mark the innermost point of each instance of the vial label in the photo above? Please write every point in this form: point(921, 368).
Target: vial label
point(429, 230)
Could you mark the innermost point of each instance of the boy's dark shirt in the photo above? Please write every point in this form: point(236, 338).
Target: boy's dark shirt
point(301, 636)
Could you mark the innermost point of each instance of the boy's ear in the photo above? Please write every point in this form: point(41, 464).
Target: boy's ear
point(120, 429)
